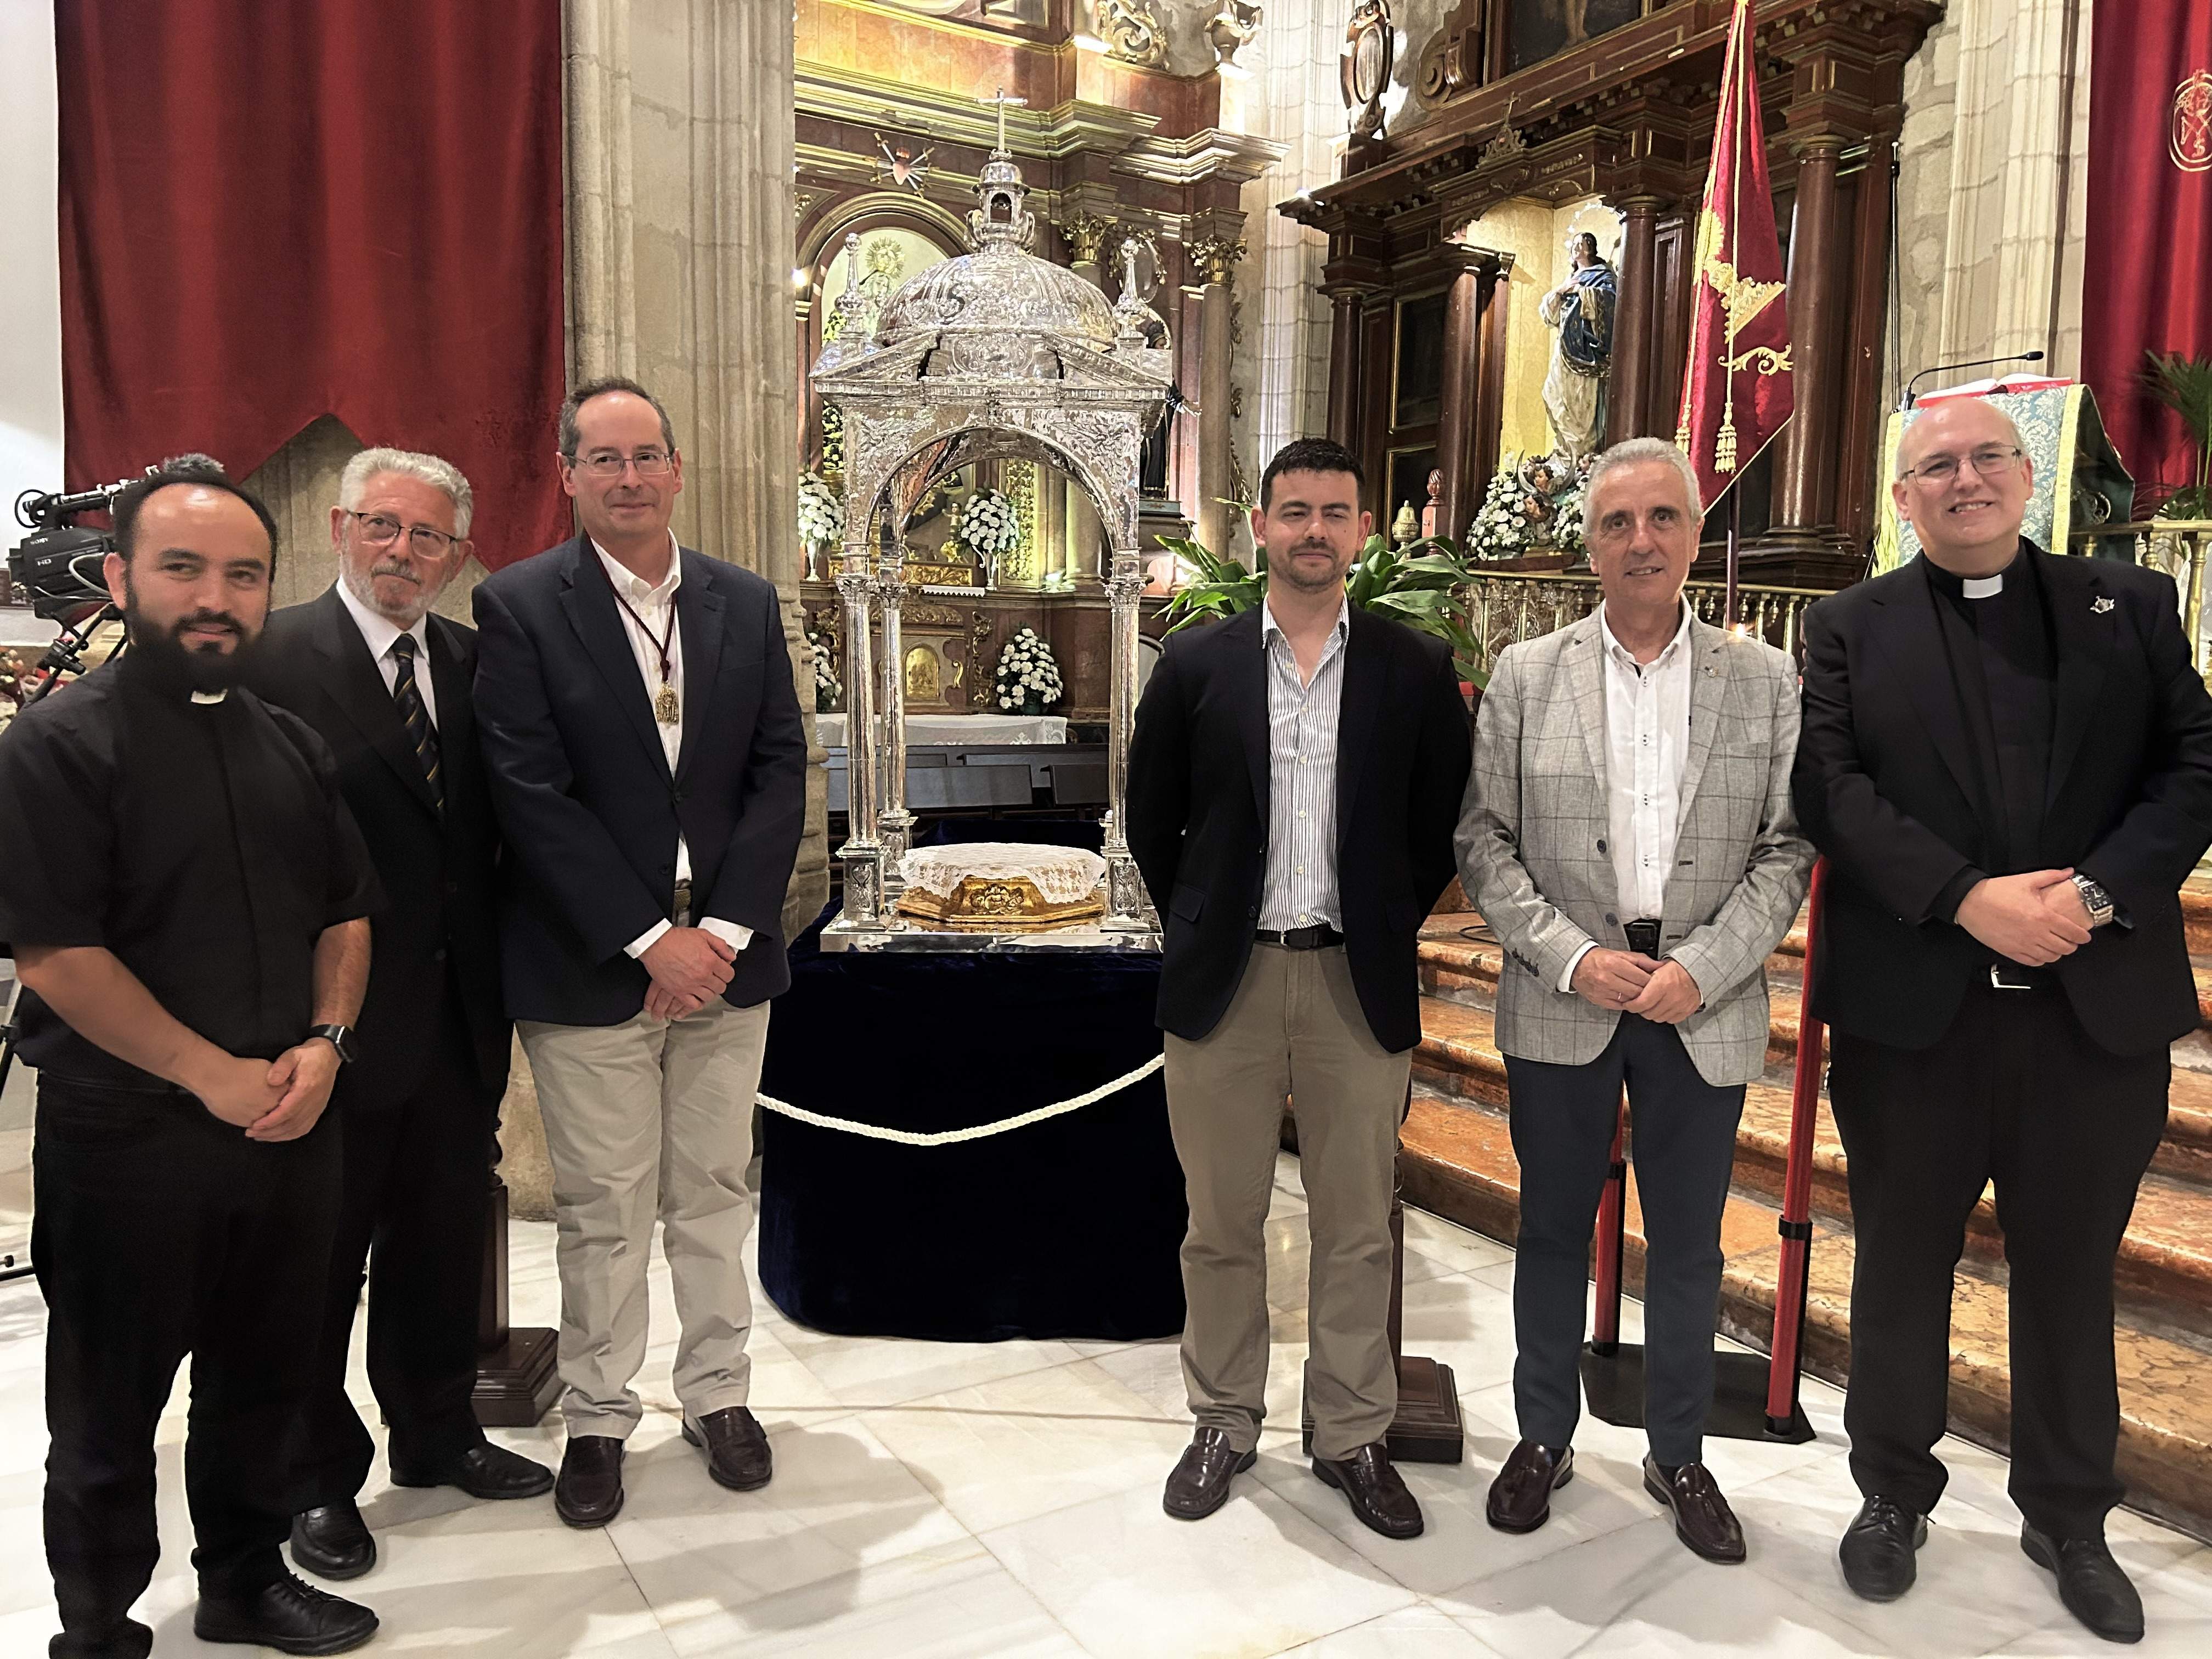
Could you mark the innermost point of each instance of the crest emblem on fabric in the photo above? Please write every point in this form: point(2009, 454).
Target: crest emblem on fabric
point(2191, 143)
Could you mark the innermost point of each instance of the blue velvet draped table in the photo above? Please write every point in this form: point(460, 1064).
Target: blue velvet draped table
point(1064, 1229)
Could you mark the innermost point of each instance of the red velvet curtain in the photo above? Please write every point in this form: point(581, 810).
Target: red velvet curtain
point(2150, 264)
point(269, 213)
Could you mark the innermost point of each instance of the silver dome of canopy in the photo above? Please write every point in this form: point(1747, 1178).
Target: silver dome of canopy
point(1001, 287)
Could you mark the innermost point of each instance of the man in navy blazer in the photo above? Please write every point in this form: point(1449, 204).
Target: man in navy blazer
point(648, 764)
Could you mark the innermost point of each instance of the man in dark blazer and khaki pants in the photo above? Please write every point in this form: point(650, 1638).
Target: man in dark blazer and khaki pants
point(648, 764)
point(387, 685)
point(1295, 774)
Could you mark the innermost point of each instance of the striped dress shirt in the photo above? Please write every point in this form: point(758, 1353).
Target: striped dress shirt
point(1300, 887)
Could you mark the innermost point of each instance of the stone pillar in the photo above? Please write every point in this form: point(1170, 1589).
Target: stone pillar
point(1629, 413)
point(686, 283)
point(1217, 257)
point(1805, 485)
point(1348, 304)
point(1459, 426)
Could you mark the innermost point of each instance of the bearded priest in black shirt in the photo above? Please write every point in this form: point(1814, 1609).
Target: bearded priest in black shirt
point(185, 897)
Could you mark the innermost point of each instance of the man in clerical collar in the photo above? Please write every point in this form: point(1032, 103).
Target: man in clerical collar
point(2008, 760)
point(184, 894)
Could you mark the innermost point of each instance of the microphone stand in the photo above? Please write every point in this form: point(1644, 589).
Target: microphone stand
point(1912, 385)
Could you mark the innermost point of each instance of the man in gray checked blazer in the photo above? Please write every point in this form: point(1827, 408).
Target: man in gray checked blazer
point(1627, 834)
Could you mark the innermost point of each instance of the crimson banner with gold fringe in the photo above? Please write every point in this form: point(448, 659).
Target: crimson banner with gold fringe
point(1737, 389)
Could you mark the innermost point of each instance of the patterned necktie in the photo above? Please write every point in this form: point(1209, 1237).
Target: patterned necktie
point(415, 717)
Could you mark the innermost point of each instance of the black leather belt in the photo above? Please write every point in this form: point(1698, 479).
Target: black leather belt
point(1316, 938)
point(2012, 976)
point(1643, 937)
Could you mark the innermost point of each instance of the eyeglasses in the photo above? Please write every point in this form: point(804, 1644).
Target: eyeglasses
point(606, 463)
point(1941, 469)
point(378, 531)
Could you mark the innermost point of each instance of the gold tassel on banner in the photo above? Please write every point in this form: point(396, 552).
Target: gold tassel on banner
point(1724, 445)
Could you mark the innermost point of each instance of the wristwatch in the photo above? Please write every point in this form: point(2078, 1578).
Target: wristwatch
point(2095, 900)
point(340, 1037)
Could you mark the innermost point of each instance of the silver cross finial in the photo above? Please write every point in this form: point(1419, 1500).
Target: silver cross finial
point(1005, 103)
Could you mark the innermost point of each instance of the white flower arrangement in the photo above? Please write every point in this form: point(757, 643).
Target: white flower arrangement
point(990, 525)
point(1516, 519)
point(1027, 674)
point(828, 691)
point(821, 514)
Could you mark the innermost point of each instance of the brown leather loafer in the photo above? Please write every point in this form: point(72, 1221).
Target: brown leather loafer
point(1199, 1483)
point(736, 1445)
point(1703, 1519)
point(589, 1493)
point(1374, 1490)
point(1521, 1497)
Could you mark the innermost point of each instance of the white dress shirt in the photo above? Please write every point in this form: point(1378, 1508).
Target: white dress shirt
point(1647, 738)
point(1299, 889)
point(380, 632)
point(655, 605)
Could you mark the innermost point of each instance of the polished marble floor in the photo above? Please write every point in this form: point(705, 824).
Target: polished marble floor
point(933, 1500)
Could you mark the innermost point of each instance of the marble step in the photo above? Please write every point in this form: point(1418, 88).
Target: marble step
point(2163, 1271)
point(1456, 1161)
point(1459, 971)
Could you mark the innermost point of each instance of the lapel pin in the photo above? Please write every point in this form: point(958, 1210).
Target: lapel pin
point(2099, 605)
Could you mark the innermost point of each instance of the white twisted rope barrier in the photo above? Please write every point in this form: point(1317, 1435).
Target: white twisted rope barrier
point(953, 1137)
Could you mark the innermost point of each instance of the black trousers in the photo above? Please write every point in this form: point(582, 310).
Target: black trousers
point(1683, 1141)
point(411, 1227)
point(2017, 1093)
point(162, 1231)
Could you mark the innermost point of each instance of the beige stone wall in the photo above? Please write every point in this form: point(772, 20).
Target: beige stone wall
point(1992, 214)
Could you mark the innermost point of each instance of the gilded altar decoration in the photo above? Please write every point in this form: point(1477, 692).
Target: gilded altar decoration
point(1003, 886)
point(2191, 144)
point(1231, 29)
point(997, 355)
point(1132, 32)
point(1738, 389)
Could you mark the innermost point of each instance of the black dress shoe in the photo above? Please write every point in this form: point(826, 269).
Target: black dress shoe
point(589, 1493)
point(1199, 1483)
point(482, 1470)
point(1877, 1549)
point(332, 1541)
point(1521, 1497)
point(1703, 1519)
point(736, 1448)
point(289, 1616)
point(2090, 1583)
point(1373, 1489)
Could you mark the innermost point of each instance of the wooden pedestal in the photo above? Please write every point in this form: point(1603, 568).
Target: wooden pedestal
point(515, 1379)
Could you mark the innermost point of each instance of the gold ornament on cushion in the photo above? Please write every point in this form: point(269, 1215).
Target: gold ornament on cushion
point(1003, 886)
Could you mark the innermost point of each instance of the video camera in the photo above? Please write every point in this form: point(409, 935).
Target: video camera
point(58, 563)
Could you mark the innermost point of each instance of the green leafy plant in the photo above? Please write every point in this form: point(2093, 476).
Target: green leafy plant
point(2184, 384)
point(1423, 584)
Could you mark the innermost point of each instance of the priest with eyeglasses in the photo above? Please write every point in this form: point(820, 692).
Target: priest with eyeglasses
point(2007, 758)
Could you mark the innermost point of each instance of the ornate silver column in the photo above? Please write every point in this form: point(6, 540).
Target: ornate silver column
point(1126, 907)
point(862, 854)
point(894, 823)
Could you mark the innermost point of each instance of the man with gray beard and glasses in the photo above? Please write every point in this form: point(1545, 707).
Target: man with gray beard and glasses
point(387, 685)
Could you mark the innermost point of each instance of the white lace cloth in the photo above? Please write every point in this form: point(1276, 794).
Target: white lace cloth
point(1063, 875)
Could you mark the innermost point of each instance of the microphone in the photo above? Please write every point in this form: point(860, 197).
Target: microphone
point(1912, 385)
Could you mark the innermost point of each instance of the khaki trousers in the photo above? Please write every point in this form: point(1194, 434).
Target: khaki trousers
point(650, 1117)
point(1294, 1027)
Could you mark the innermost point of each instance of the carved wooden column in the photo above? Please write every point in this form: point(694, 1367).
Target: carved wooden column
point(1467, 422)
point(1805, 492)
point(1859, 446)
point(1217, 257)
point(1346, 302)
point(1636, 324)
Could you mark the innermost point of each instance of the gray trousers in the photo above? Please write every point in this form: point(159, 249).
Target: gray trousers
point(650, 1118)
point(1294, 1027)
point(1683, 1140)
